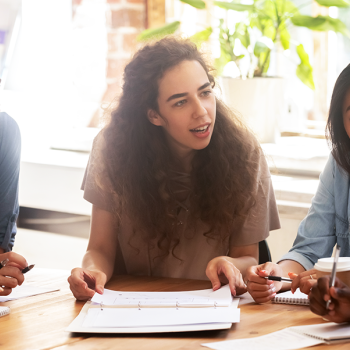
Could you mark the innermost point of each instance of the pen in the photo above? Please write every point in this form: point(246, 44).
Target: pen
point(334, 272)
point(28, 268)
point(279, 279)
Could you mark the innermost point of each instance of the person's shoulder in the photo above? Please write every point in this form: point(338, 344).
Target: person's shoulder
point(9, 130)
point(7, 124)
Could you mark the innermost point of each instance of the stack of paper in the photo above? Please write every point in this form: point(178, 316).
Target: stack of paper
point(143, 312)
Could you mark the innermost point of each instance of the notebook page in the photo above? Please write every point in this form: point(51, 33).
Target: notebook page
point(206, 297)
point(4, 310)
point(149, 317)
point(280, 340)
point(328, 331)
point(289, 298)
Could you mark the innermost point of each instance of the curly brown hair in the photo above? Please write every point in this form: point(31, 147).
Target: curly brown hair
point(138, 161)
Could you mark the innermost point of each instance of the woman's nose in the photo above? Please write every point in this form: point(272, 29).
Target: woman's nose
point(199, 109)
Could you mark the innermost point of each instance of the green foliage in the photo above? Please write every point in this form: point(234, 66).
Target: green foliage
point(160, 32)
point(233, 6)
point(304, 69)
point(272, 19)
point(198, 4)
point(338, 3)
point(321, 23)
point(202, 36)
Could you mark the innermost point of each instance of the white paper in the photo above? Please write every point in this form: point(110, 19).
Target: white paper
point(135, 317)
point(285, 339)
point(76, 326)
point(26, 290)
point(327, 331)
point(206, 297)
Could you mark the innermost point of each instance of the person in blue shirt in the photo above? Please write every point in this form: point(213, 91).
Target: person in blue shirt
point(10, 151)
point(327, 221)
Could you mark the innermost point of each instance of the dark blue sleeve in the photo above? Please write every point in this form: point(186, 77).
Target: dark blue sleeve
point(10, 153)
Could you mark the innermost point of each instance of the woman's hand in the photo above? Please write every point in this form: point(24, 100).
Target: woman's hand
point(84, 283)
point(261, 289)
point(304, 281)
point(221, 271)
point(11, 275)
point(339, 308)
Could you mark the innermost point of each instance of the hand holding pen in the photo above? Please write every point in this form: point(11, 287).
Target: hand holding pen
point(12, 267)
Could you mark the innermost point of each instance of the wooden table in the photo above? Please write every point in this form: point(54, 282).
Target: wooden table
point(39, 322)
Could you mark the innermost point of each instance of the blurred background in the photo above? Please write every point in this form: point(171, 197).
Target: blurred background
point(61, 65)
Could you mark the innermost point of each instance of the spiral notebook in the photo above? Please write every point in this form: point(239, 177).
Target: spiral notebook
point(298, 298)
point(4, 310)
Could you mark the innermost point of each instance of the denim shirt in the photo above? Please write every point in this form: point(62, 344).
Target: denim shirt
point(327, 221)
point(10, 152)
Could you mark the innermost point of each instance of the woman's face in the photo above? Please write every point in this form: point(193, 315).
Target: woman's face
point(187, 108)
point(346, 113)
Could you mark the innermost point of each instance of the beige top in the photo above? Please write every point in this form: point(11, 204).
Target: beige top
point(135, 256)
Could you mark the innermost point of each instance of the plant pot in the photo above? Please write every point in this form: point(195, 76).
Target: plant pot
point(260, 101)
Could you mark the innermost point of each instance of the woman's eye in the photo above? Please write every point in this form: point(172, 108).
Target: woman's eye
point(180, 103)
point(206, 93)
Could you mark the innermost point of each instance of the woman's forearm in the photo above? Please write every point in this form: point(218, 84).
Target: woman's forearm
point(96, 260)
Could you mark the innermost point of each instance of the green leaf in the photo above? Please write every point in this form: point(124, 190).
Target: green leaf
point(338, 3)
point(159, 32)
point(202, 36)
point(321, 23)
point(233, 6)
point(304, 69)
point(285, 38)
point(198, 4)
point(263, 45)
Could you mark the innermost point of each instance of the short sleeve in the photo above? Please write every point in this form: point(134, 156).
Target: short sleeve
point(92, 192)
point(10, 154)
point(263, 216)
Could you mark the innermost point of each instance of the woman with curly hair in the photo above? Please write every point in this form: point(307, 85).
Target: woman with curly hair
point(179, 187)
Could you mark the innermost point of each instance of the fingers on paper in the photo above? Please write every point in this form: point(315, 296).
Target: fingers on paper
point(78, 286)
point(213, 276)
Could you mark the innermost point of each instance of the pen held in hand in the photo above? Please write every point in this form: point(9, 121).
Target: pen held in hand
point(28, 268)
point(334, 272)
point(279, 279)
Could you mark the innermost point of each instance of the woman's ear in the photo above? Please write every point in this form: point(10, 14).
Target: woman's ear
point(155, 118)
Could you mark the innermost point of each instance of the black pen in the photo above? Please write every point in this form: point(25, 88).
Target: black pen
point(279, 279)
point(28, 268)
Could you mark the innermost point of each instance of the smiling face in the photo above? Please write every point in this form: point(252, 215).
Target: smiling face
point(187, 108)
point(346, 112)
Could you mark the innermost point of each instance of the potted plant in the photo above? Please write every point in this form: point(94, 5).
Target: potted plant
point(265, 27)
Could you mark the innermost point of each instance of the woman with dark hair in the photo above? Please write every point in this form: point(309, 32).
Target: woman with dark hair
point(327, 221)
point(179, 187)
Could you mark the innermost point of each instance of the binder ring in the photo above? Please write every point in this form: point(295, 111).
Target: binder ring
point(215, 304)
point(177, 305)
point(101, 305)
point(139, 305)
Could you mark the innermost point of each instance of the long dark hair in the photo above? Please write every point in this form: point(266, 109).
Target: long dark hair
point(136, 158)
point(336, 134)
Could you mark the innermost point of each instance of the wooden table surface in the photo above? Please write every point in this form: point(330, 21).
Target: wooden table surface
point(39, 322)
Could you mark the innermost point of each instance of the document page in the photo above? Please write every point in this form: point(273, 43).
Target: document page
point(196, 298)
point(281, 340)
point(25, 291)
point(135, 317)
